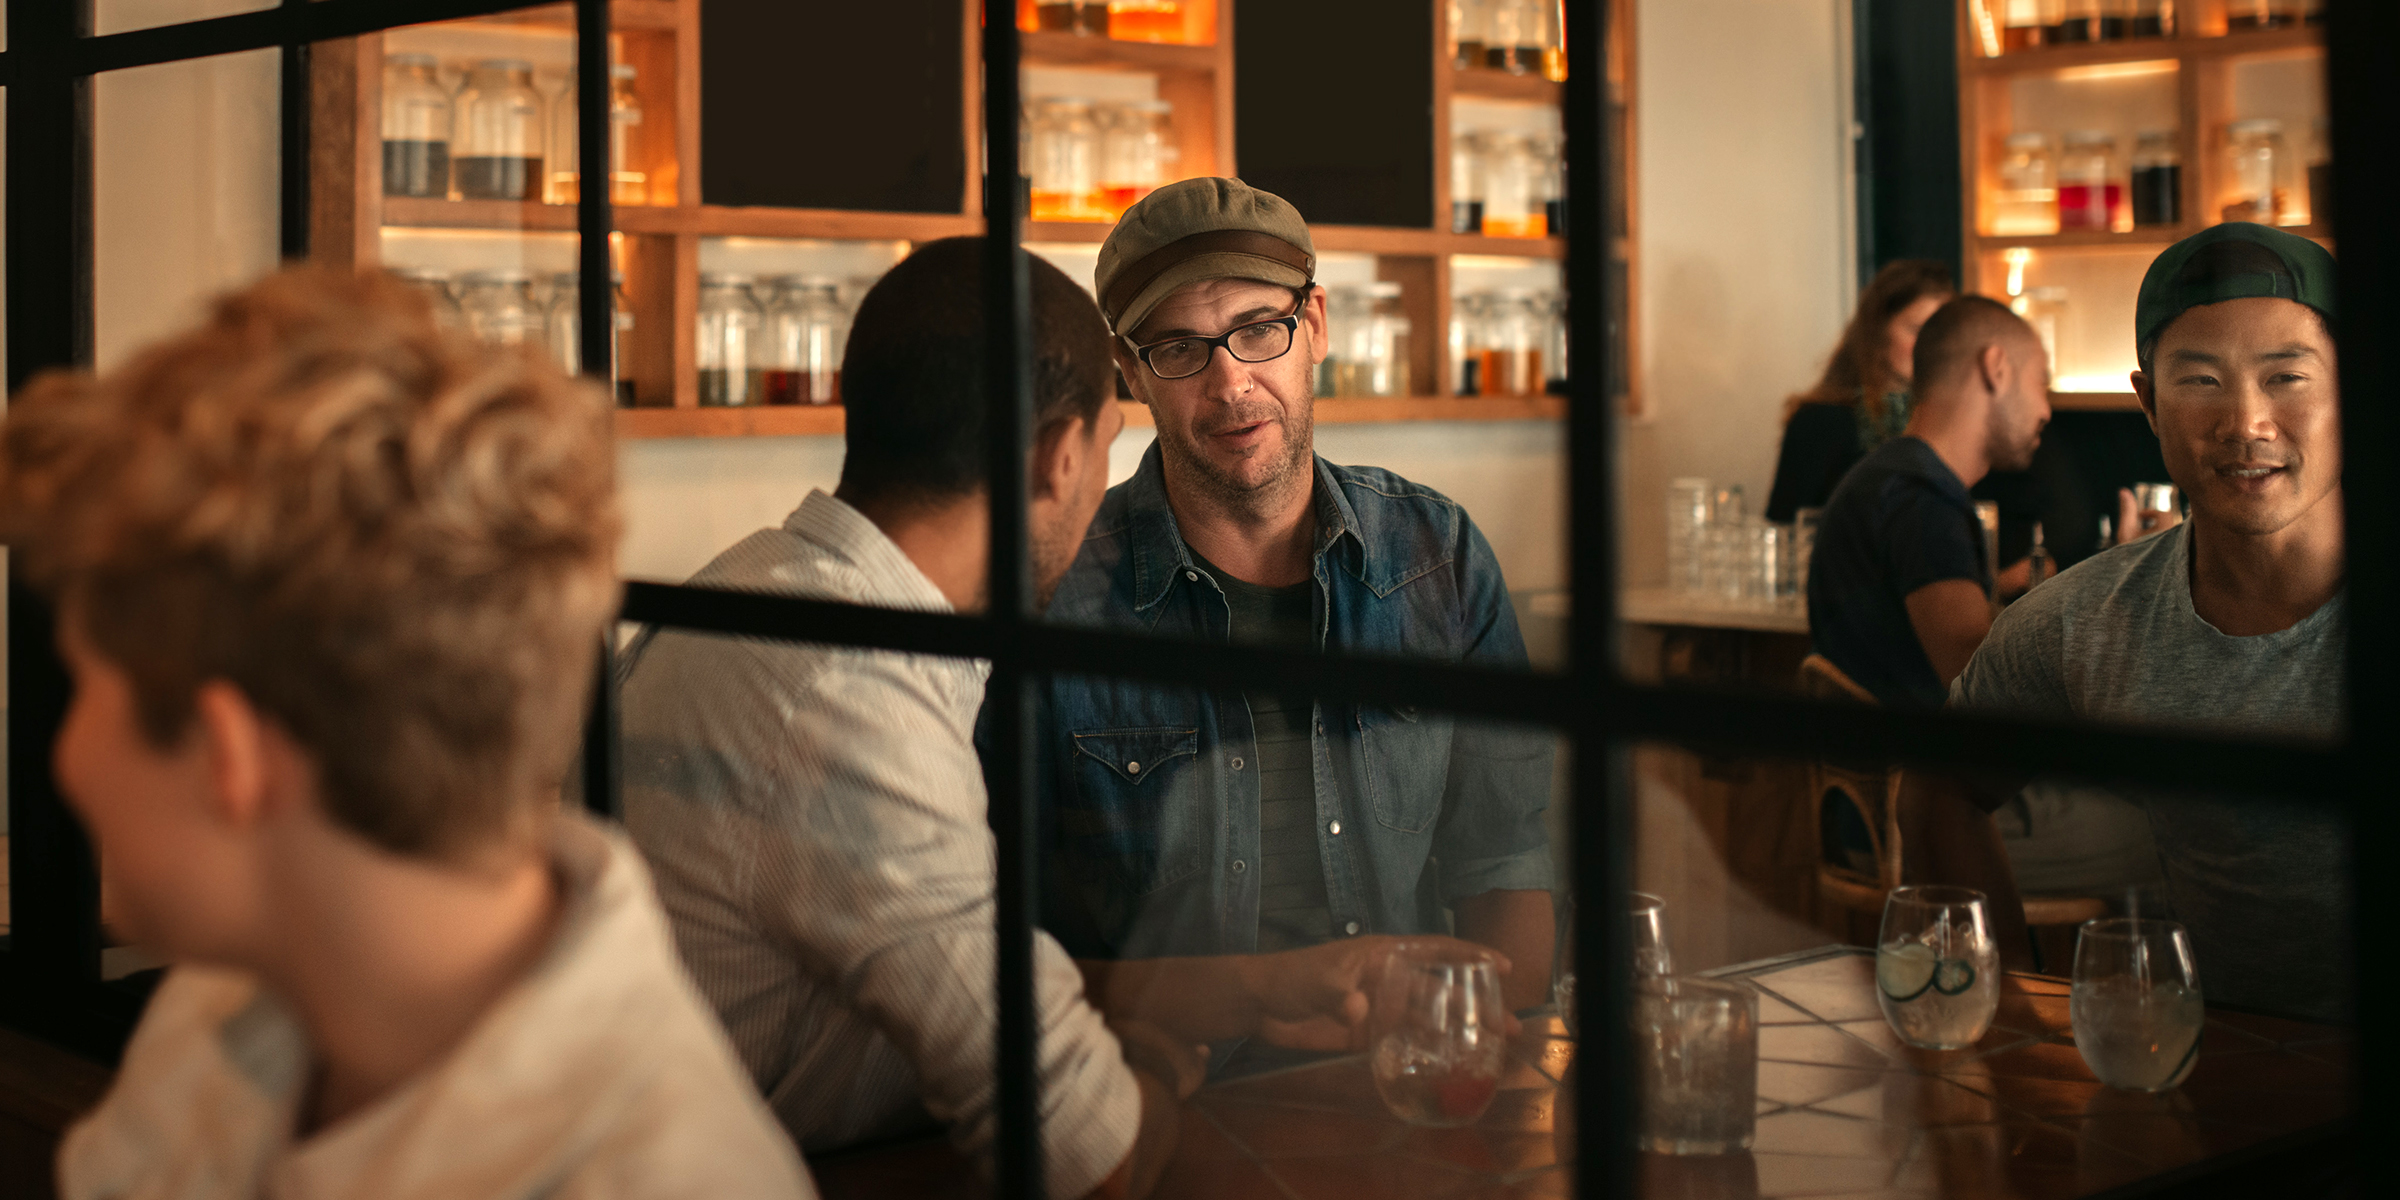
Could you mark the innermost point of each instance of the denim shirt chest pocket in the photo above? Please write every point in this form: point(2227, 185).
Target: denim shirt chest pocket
point(1407, 758)
point(1136, 798)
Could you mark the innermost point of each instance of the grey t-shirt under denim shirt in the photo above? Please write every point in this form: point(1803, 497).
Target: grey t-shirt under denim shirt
point(2261, 885)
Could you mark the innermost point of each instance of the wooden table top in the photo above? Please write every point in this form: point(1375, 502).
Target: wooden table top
point(1844, 1108)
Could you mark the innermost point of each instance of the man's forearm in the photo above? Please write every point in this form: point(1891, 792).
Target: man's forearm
point(1204, 999)
point(1522, 925)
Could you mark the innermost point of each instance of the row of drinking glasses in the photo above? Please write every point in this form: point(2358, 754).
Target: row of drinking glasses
point(1718, 555)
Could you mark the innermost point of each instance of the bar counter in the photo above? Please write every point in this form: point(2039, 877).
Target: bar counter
point(1844, 1108)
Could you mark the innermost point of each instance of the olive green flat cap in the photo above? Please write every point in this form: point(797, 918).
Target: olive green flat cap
point(2237, 260)
point(1195, 230)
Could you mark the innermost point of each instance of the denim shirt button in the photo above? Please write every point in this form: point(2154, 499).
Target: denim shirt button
point(1194, 576)
point(1239, 866)
point(1351, 929)
point(1335, 829)
point(1133, 768)
point(1237, 762)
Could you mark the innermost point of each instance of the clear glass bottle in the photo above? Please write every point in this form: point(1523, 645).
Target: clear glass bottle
point(496, 153)
point(500, 308)
point(1466, 183)
point(1064, 161)
point(807, 327)
point(1083, 17)
point(416, 127)
point(2258, 173)
point(566, 331)
point(1553, 40)
point(1550, 164)
point(2320, 174)
point(729, 323)
point(1512, 352)
point(1470, 24)
point(1467, 339)
point(2026, 202)
point(2157, 180)
point(1137, 154)
point(435, 285)
point(1512, 203)
point(2089, 194)
point(626, 186)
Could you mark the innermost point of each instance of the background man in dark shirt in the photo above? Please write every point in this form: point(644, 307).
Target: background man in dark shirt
point(1898, 590)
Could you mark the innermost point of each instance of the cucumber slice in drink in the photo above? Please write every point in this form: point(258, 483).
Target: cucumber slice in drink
point(1905, 971)
point(1953, 975)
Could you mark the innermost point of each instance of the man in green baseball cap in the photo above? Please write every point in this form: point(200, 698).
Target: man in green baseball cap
point(1245, 834)
point(2234, 620)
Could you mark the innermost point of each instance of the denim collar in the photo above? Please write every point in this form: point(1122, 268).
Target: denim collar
point(1158, 552)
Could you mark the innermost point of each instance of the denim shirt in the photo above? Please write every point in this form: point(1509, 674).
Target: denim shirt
point(1149, 794)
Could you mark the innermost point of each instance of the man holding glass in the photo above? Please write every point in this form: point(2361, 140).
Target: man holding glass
point(2233, 620)
point(1183, 822)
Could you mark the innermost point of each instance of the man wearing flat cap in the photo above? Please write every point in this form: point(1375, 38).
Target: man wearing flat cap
point(1184, 822)
point(2233, 621)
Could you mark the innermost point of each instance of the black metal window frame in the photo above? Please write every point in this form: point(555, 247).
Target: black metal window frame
point(50, 972)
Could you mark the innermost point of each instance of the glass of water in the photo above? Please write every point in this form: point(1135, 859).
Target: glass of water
point(2135, 1004)
point(1937, 971)
point(1695, 1065)
point(1438, 1035)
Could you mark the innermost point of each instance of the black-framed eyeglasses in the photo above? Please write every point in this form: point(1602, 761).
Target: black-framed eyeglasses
point(1184, 357)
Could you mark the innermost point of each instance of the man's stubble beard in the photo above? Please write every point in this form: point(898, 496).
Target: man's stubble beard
point(1186, 465)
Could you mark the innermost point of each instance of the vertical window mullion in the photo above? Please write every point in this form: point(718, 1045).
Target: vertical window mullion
point(292, 166)
point(595, 311)
point(1008, 328)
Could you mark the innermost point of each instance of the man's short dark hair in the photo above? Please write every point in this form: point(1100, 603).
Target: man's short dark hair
point(1959, 330)
point(912, 374)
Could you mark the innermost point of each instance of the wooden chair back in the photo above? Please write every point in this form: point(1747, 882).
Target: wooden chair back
point(1871, 789)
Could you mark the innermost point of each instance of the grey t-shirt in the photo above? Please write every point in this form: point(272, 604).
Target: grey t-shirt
point(2261, 885)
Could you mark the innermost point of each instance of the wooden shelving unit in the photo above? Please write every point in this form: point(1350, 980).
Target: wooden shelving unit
point(2192, 74)
point(658, 245)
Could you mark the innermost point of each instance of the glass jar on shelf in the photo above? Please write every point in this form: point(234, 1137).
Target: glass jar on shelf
point(1137, 154)
point(1370, 341)
point(1173, 22)
point(1467, 342)
point(2044, 308)
point(1064, 160)
point(2157, 180)
point(2258, 173)
point(2024, 24)
point(1466, 183)
point(625, 185)
point(1512, 353)
point(566, 331)
point(435, 287)
point(416, 127)
point(2246, 16)
point(1084, 17)
point(2078, 21)
point(496, 153)
point(1550, 181)
point(1553, 41)
point(728, 327)
point(1512, 204)
point(500, 308)
point(2320, 174)
point(2089, 195)
point(2124, 20)
point(1470, 26)
point(1554, 342)
point(2026, 202)
point(1512, 36)
point(807, 327)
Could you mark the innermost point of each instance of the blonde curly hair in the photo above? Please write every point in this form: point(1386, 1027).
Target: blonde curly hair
point(398, 544)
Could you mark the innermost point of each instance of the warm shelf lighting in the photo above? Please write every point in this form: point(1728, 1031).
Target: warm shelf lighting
point(2125, 70)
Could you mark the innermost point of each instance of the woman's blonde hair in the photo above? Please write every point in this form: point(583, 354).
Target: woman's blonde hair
point(398, 544)
point(1856, 373)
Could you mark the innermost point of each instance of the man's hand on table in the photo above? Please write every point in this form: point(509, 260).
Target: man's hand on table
point(1318, 998)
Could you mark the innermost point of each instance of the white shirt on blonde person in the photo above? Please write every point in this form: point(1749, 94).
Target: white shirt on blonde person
point(600, 1073)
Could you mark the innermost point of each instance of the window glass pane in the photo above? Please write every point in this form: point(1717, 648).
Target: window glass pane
point(120, 16)
point(2074, 1060)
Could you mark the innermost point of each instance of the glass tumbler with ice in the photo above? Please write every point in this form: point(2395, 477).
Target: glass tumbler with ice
point(2135, 1004)
point(1437, 1033)
point(1695, 1054)
point(1937, 971)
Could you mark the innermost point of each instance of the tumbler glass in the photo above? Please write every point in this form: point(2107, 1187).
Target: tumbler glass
point(1695, 1065)
point(2135, 1004)
point(1937, 971)
point(1687, 526)
point(1438, 1035)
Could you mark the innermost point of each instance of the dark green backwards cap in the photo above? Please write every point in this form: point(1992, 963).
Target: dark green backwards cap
point(2233, 261)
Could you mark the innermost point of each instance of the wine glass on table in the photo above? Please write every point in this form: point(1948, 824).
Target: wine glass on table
point(2135, 1003)
point(1937, 970)
point(1437, 1034)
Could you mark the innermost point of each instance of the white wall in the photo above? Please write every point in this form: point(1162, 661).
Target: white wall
point(1746, 236)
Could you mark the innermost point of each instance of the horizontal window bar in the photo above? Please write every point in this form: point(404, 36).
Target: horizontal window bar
point(318, 22)
point(1761, 723)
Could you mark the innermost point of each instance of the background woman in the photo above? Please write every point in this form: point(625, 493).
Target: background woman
point(1861, 402)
